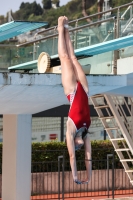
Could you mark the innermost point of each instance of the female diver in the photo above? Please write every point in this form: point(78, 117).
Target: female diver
point(76, 89)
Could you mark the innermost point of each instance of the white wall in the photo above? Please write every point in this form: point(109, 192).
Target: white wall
point(125, 65)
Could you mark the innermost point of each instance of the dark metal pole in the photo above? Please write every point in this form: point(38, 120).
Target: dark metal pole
point(62, 129)
point(58, 178)
point(108, 175)
point(108, 155)
point(63, 178)
point(104, 134)
point(59, 157)
point(113, 177)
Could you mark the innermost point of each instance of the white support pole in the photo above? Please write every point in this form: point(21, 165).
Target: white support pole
point(16, 166)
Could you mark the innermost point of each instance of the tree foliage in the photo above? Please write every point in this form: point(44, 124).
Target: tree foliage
point(27, 9)
point(73, 9)
point(56, 2)
point(119, 2)
point(47, 4)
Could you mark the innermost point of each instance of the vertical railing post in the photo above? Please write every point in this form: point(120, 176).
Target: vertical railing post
point(63, 178)
point(115, 52)
point(10, 57)
point(116, 35)
point(62, 129)
point(113, 177)
point(108, 156)
point(118, 24)
point(34, 51)
point(75, 36)
point(61, 157)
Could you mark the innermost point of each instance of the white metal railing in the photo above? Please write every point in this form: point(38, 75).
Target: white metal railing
point(92, 24)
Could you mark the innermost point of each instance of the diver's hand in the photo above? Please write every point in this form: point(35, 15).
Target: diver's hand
point(86, 181)
point(78, 182)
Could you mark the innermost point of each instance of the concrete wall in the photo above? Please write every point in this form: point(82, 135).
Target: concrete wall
point(47, 183)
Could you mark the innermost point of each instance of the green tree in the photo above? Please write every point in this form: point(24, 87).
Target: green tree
point(36, 8)
point(47, 4)
point(56, 2)
point(115, 3)
point(27, 9)
point(2, 19)
point(22, 5)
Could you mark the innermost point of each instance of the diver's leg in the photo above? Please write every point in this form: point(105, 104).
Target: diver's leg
point(80, 75)
point(68, 75)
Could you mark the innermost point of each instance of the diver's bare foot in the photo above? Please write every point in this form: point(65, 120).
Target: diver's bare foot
point(66, 23)
point(60, 24)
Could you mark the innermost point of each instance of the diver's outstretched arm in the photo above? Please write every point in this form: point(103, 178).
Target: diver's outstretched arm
point(71, 148)
point(88, 162)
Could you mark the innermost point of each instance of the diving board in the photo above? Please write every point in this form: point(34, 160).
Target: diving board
point(24, 66)
point(105, 46)
point(83, 52)
point(15, 28)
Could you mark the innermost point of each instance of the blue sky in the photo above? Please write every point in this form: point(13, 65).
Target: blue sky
point(13, 5)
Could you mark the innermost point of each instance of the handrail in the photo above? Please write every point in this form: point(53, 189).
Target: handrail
point(125, 12)
point(8, 45)
point(129, 20)
point(127, 25)
point(89, 16)
point(70, 30)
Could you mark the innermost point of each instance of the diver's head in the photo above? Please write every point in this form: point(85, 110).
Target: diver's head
point(79, 138)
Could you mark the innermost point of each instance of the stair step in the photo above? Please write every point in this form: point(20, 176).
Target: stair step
point(122, 149)
point(117, 139)
point(111, 117)
point(128, 171)
point(98, 95)
point(100, 107)
point(126, 160)
point(111, 128)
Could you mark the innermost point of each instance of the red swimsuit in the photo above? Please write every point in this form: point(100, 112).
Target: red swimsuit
point(79, 111)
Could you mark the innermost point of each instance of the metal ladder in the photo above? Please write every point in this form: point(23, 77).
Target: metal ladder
point(116, 114)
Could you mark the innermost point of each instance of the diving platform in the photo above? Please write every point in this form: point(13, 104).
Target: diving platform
point(15, 28)
point(32, 93)
point(107, 46)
